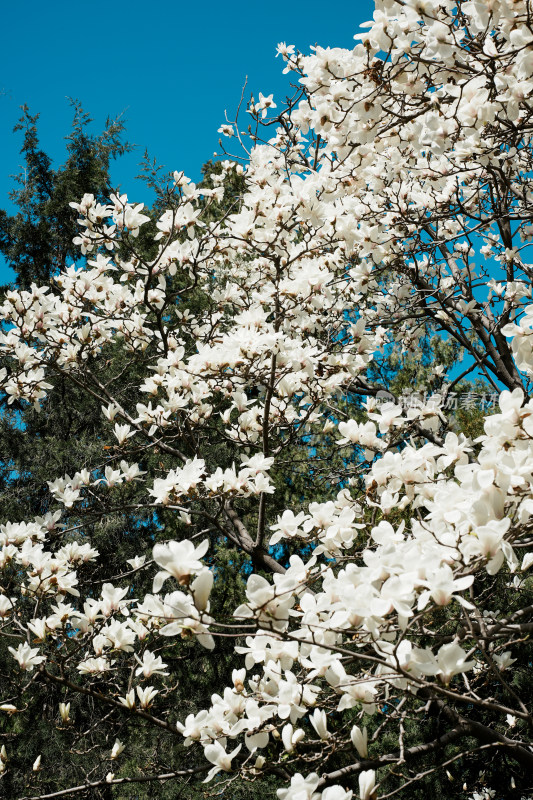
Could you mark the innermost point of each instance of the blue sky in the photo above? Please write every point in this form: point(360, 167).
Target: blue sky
point(171, 68)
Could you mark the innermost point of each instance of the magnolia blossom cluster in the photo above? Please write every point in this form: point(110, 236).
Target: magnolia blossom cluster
point(391, 205)
point(110, 622)
point(307, 616)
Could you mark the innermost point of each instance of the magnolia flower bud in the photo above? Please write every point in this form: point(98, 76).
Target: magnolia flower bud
point(286, 736)
point(37, 764)
point(367, 783)
point(64, 711)
point(117, 749)
point(201, 588)
point(319, 723)
point(238, 676)
point(360, 740)
point(297, 736)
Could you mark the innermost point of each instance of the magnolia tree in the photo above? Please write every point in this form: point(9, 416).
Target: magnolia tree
point(389, 201)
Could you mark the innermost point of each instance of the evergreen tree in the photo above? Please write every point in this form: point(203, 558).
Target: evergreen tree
point(36, 240)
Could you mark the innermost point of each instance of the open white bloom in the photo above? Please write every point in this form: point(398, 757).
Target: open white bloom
point(150, 665)
point(27, 657)
point(129, 699)
point(337, 793)
point(217, 755)
point(146, 695)
point(179, 560)
point(442, 588)
point(304, 788)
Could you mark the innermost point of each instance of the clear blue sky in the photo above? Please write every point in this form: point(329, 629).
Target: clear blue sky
point(171, 67)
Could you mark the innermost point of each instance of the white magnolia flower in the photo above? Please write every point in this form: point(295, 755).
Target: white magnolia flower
point(367, 783)
point(360, 740)
point(150, 665)
point(179, 560)
point(117, 749)
point(64, 712)
point(26, 656)
point(217, 755)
